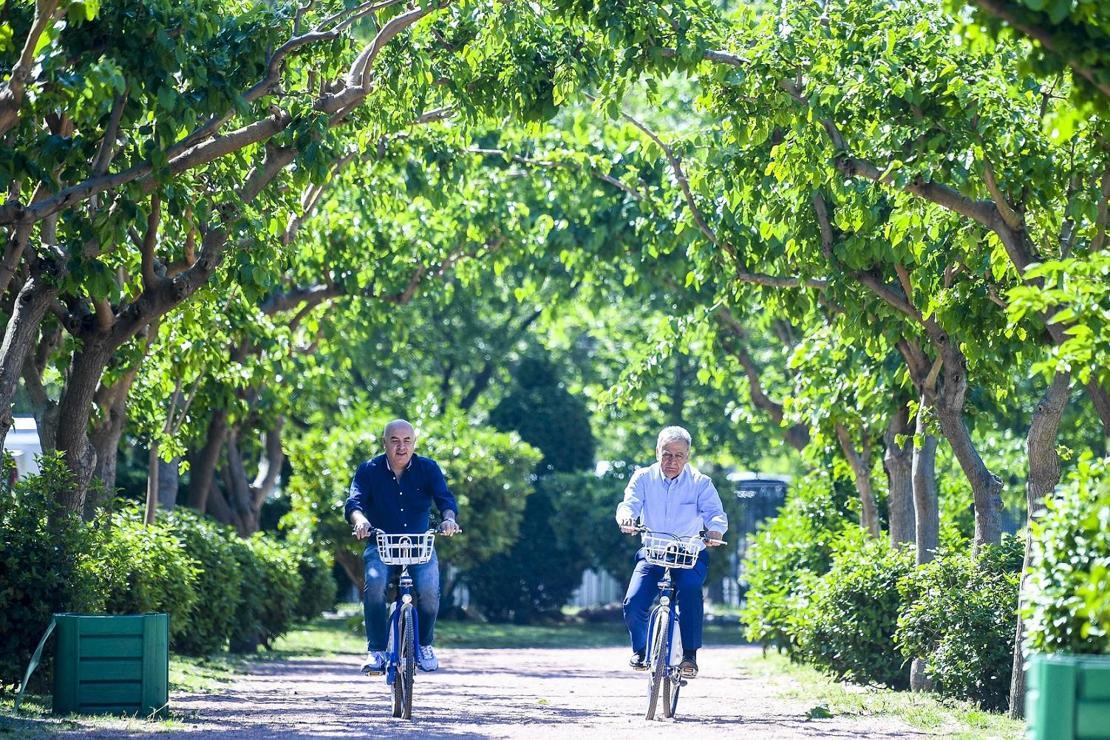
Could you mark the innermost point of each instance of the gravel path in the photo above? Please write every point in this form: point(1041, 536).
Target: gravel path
point(512, 694)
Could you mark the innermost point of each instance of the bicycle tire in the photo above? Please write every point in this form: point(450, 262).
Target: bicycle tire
point(407, 660)
point(670, 695)
point(396, 685)
point(658, 661)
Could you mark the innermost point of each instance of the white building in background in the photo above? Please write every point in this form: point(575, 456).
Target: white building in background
point(23, 444)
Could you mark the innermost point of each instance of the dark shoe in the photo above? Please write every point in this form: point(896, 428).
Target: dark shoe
point(688, 668)
point(637, 662)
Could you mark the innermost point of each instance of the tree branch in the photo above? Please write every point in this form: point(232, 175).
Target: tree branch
point(150, 278)
point(11, 93)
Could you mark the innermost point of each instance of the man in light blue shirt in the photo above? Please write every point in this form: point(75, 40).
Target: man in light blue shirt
point(672, 497)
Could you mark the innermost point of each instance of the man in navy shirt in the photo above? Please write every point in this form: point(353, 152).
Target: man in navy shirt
point(394, 492)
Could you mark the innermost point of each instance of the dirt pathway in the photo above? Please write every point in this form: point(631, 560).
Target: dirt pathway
point(511, 694)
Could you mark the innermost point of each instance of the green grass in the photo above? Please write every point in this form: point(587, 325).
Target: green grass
point(942, 717)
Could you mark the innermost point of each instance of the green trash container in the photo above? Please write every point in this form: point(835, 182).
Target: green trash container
point(1067, 697)
point(112, 664)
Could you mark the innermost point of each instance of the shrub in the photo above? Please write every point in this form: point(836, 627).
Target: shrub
point(783, 551)
point(958, 616)
point(1068, 602)
point(46, 564)
point(218, 584)
point(540, 571)
point(848, 624)
point(246, 625)
point(147, 569)
point(318, 592)
point(281, 587)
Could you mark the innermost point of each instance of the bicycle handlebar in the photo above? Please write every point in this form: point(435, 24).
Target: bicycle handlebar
point(641, 529)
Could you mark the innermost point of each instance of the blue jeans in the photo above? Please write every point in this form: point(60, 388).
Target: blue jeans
point(643, 588)
point(425, 581)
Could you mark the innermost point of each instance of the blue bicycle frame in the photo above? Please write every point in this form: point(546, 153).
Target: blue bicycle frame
point(406, 594)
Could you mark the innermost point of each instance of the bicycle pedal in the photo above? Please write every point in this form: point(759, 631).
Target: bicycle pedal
point(682, 682)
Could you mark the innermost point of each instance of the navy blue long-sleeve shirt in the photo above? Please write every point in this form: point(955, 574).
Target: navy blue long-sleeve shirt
point(399, 506)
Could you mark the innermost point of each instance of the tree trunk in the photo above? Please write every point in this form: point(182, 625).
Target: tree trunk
point(169, 481)
point(861, 470)
point(31, 304)
point(1044, 474)
point(72, 431)
point(898, 462)
point(353, 566)
point(105, 438)
point(926, 508)
point(203, 464)
point(152, 484)
point(986, 487)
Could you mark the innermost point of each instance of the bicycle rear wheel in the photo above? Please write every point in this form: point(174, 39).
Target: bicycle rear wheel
point(657, 660)
point(406, 665)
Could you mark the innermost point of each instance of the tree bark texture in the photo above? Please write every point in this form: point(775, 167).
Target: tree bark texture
point(1044, 475)
point(203, 464)
point(31, 304)
point(898, 461)
point(986, 487)
point(926, 507)
point(169, 481)
point(861, 471)
point(72, 433)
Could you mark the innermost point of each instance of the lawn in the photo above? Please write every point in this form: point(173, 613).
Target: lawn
point(944, 717)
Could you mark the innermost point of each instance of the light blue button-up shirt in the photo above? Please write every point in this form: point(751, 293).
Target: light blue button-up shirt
point(683, 506)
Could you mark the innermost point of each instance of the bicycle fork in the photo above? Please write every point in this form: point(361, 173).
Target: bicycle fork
point(405, 591)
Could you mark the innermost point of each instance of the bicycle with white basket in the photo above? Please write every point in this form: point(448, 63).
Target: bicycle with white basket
point(664, 641)
point(404, 642)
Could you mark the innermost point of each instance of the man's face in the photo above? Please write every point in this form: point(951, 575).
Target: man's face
point(672, 457)
point(400, 442)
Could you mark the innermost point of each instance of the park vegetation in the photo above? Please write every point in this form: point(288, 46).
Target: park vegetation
point(861, 241)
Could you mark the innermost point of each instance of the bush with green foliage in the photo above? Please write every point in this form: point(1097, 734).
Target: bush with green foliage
point(784, 551)
point(46, 561)
point(845, 625)
point(1067, 601)
point(540, 571)
point(318, 591)
point(958, 615)
point(281, 587)
point(146, 568)
point(218, 583)
point(246, 625)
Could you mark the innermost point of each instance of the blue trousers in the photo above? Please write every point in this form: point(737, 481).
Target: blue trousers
point(643, 588)
point(425, 581)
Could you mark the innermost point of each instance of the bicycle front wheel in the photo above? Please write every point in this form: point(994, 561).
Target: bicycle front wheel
point(406, 660)
point(657, 660)
point(671, 685)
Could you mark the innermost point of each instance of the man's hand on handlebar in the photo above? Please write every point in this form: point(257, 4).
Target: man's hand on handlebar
point(713, 538)
point(362, 526)
point(449, 528)
point(628, 526)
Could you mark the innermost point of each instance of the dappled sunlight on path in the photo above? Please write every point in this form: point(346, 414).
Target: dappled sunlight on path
point(510, 693)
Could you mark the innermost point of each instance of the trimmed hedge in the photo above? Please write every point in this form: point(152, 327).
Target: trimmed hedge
point(218, 585)
point(146, 569)
point(958, 615)
point(847, 624)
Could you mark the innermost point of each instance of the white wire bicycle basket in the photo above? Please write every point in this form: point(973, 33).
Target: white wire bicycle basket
point(672, 552)
point(405, 549)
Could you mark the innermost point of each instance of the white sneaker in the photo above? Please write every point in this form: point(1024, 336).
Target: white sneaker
point(375, 662)
point(427, 659)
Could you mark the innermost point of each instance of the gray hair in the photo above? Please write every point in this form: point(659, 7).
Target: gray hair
point(397, 423)
point(673, 434)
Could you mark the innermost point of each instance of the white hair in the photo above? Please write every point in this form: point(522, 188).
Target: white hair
point(673, 434)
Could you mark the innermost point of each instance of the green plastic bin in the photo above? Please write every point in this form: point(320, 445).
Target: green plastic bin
point(1067, 697)
point(112, 664)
